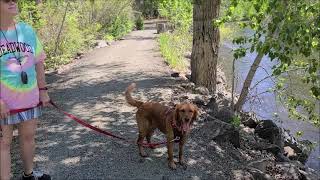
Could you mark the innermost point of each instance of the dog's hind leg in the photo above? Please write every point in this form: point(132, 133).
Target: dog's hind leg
point(143, 127)
point(149, 135)
point(141, 137)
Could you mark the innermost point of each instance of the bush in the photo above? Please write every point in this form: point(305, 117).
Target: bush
point(173, 48)
point(85, 22)
point(178, 12)
point(139, 23)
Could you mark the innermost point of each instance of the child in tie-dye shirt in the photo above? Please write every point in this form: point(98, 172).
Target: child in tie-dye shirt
point(22, 87)
point(27, 49)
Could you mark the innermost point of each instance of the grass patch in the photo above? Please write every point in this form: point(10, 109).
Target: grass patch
point(174, 46)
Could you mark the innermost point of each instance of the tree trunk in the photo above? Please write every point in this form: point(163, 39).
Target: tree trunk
point(247, 82)
point(60, 31)
point(205, 43)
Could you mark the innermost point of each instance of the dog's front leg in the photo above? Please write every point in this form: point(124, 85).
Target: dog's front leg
point(181, 147)
point(170, 142)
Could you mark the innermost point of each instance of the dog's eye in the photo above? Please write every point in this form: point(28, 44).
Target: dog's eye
point(182, 110)
point(190, 111)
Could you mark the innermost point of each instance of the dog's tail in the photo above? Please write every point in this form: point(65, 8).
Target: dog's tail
point(129, 98)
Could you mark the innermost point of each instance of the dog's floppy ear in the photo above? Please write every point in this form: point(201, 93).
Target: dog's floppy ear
point(176, 112)
point(195, 113)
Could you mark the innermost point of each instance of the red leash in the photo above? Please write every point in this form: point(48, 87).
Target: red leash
point(83, 123)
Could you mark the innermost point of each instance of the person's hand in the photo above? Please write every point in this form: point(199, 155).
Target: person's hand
point(44, 98)
point(4, 111)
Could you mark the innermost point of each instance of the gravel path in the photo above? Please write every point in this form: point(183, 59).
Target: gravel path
point(93, 89)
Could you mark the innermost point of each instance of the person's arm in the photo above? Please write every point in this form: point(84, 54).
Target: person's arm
point(4, 111)
point(44, 97)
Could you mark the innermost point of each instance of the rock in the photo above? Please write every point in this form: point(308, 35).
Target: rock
point(188, 86)
point(100, 44)
point(188, 55)
point(221, 132)
point(249, 120)
point(202, 90)
point(199, 101)
point(281, 158)
point(289, 171)
point(260, 164)
point(225, 114)
point(308, 175)
point(289, 152)
point(161, 28)
point(268, 130)
point(175, 74)
point(80, 54)
point(272, 148)
point(109, 43)
point(259, 175)
point(302, 149)
point(212, 106)
point(305, 149)
point(183, 98)
point(248, 130)
point(241, 175)
point(188, 76)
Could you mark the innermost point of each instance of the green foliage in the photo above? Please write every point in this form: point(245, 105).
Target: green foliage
point(150, 8)
point(236, 121)
point(288, 32)
point(86, 21)
point(173, 48)
point(120, 26)
point(178, 12)
point(31, 14)
point(174, 45)
point(139, 23)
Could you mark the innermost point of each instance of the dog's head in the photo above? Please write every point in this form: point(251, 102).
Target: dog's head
point(185, 115)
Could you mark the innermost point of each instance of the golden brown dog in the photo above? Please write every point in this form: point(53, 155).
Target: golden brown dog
point(173, 122)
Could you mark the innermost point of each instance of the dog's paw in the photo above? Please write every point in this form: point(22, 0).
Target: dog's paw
point(172, 165)
point(183, 164)
point(143, 154)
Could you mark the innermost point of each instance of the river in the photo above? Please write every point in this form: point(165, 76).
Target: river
point(267, 104)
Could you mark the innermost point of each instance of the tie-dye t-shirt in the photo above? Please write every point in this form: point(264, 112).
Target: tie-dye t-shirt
point(29, 50)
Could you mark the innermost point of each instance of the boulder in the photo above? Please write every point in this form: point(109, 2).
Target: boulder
point(249, 120)
point(221, 132)
point(202, 90)
point(268, 130)
point(302, 148)
point(161, 28)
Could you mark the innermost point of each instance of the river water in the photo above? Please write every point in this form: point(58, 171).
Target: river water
point(266, 105)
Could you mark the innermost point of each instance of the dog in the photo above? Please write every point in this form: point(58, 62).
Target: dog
point(173, 122)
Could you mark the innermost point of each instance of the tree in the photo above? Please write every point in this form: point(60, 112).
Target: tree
point(205, 43)
point(288, 32)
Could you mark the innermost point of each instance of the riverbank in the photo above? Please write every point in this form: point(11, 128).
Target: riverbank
point(266, 106)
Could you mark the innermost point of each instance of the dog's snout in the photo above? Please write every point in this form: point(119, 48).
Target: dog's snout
point(187, 119)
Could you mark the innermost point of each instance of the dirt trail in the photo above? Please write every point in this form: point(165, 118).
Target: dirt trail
point(93, 90)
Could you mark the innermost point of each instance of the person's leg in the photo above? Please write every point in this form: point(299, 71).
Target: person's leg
point(27, 131)
point(5, 157)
